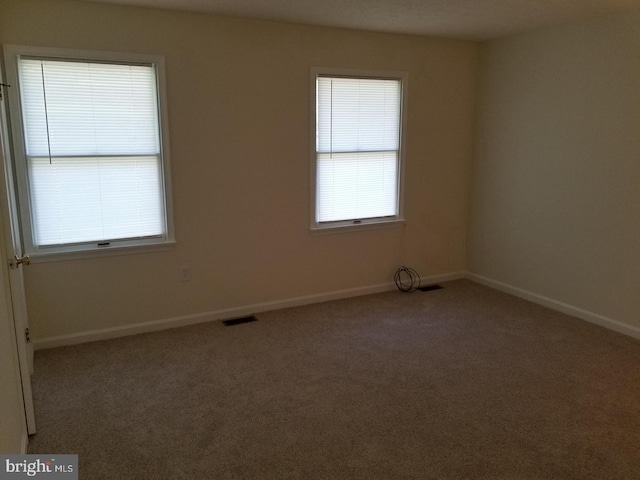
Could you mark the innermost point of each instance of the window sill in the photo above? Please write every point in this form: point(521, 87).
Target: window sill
point(101, 252)
point(347, 228)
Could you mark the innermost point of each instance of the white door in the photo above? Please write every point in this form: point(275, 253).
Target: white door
point(16, 261)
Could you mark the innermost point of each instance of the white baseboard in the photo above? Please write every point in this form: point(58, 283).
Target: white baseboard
point(181, 321)
point(601, 320)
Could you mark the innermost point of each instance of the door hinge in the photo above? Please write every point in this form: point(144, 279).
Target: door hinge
point(27, 335)
point(17, 261)
point(2, 85)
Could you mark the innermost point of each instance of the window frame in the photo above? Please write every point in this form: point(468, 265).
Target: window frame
point(12, 54)
point(365, 223)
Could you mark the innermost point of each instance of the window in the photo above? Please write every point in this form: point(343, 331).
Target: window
point(90, 150)
point(356, 167)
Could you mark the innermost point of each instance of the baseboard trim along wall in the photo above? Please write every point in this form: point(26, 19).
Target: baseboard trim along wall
point(591, 317)
point(181, 321)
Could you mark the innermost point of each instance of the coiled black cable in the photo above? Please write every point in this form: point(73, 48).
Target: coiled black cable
point(407, 279)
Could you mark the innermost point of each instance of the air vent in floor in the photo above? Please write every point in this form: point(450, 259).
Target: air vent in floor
point(237, 321)
point(428, 288)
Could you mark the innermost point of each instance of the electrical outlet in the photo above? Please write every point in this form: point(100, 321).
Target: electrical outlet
point(185, 273)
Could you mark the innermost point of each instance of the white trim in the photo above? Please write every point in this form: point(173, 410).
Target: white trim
point(102, 252)
point(396, 222)
point(155, 325)
point(87, 249)
point(12, 280)
point(444, 277)
point(181, 321)
point(25, 443)
point(580, 313)
point(401, 75)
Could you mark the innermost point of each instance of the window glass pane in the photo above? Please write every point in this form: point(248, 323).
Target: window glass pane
point(86, 199)
point(357, 148)
point(92, 141)
point(88, 108)
point(356, 185)
point(357, 114)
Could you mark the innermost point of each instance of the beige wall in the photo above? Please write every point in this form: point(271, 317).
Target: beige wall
point(556, 198)
point(238, 100)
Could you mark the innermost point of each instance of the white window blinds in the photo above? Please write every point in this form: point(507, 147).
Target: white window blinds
point(93, 152)
point(357, 148)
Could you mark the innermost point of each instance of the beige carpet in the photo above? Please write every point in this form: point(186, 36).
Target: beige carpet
point(459, 383)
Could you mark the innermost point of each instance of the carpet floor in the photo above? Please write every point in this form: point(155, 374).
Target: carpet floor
point(459, 383)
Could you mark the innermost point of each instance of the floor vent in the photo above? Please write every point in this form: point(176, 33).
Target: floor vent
point(428, 288)
point(238, 321)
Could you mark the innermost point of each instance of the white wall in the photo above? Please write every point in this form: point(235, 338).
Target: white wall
point(238, 100)
point(556, 197)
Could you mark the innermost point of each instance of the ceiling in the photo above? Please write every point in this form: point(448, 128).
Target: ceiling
point(471, 19)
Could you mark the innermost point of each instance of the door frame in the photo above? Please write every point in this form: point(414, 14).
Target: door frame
point(10, 248)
